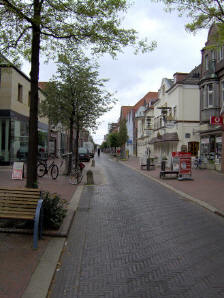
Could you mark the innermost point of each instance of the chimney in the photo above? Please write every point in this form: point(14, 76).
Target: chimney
point(179, 76)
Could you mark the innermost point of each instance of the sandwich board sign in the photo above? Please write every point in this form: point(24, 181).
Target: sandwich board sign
point(17, 170)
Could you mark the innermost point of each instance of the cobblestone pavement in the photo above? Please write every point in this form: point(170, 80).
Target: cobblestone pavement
point(132, 237)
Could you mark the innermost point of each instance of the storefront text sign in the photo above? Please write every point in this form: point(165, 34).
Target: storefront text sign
point(17, 170)
point(214, 120)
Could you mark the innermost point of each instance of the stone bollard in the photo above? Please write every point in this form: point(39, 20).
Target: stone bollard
point(93, 163)
point(89, 175)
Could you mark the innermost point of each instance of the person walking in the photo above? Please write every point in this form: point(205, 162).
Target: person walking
point(98, 151)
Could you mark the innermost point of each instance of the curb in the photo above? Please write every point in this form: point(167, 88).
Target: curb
point(179, 192)
point(42, 277)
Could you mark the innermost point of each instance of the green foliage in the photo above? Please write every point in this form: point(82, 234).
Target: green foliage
point(113, 140)
point(76, 92)
point(54, 210)
point(123, 134)
point(104, 145)
point(203, 13)
point(96, 23)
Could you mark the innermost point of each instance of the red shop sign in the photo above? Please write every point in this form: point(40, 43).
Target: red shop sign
point(214, 120)
point(181, 154)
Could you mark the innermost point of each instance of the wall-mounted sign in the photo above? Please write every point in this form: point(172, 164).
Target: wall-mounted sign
point(17, 170)
point(218, 139)
point(216, 120)
point(205, 141)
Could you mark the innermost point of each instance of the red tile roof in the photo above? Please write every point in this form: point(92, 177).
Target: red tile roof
point(124, 111)
point(146, 99)
point(42, 85)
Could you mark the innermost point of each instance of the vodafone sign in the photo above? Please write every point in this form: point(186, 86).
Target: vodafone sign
point(216, 120)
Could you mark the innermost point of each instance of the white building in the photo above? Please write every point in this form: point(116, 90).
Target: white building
point(177, 115)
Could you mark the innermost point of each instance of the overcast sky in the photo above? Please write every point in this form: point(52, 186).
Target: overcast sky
point(133, 76)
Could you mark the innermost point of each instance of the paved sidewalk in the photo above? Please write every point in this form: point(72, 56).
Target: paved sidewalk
point(206, 188)
point(19, 262)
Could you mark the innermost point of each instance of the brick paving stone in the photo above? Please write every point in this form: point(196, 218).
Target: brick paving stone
point(134, 238)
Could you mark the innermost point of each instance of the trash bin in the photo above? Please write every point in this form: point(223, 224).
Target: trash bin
point(148, 164)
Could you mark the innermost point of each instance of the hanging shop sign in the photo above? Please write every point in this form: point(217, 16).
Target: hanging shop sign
point(214, 120)
point(17, 170)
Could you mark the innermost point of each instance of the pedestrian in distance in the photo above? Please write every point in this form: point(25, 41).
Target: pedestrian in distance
point(98, 151)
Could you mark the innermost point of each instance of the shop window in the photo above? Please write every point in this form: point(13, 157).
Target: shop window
point(193, 148)
point(3, 135)
point(20, 93)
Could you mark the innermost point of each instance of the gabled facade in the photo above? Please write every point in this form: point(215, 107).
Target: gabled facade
point(176, 115)
point(138, 124)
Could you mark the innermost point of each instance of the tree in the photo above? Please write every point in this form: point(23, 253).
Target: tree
point(203, 13)
point(123, 136)
point(76, 97)
point(113, 140)
point(31, 27)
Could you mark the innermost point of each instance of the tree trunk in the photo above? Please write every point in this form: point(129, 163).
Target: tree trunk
point(33, 119)
point(77, 148)
point(70, 145)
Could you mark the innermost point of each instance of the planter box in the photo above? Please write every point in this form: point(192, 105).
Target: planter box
point(211, 166)
point(218, 167)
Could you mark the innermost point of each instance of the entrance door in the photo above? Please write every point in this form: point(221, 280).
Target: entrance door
point(193, 148)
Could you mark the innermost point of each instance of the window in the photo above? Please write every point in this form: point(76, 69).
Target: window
point(210, 95)
point(220, 53)
point(222, 93)
point(148, 122)
point(20, 93)
point(174, 112)
point(206, 62)
point(213, 54)
point(29, 98)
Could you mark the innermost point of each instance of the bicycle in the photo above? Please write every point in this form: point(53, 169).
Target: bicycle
point(43, 168)
point(197, 163)
point(76, 174)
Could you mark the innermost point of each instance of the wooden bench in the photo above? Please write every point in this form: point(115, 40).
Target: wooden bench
point(166, 172)
point(23, 204)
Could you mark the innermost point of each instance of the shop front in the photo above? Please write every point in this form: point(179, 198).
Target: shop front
point(14, 133)
point(211, 150)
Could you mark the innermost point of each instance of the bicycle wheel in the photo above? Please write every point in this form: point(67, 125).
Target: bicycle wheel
point(54, 172)
point(41, 170)
point(75, 177)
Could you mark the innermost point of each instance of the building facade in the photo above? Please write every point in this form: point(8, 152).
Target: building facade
point(211, 101)
point(14, 115)
point(176, 116)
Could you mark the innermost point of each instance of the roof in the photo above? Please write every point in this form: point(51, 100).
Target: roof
point(146, 99)
point(124, 111)
point(42, 85)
